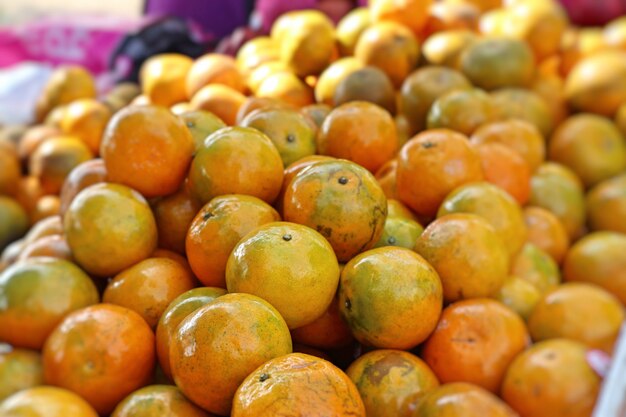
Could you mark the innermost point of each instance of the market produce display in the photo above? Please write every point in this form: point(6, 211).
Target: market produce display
point(419, 211)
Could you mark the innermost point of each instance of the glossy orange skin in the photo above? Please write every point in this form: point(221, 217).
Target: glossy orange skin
point(412, 13)
point(11, 169)
point(36, 295)
point(519, 295)
point(461, 110)
point(147, 148)
point(304, 384)
point(475, 341)
point(213, 69)
point(292, 170)
point(46, 402)
point(216, 230)
point(557, 189)
point(232, 336)
point(201, 124)
point(460, 399)
point(391, 47)
point(109, 227)
point(66, 84)
point(13, 222)
point(468, 255)
point(163, 78)
point(34, 137)
point(255, 103)
point(524, 104)
point(396, 209)
point(552, 378)
point(606, 205)
point(382, 289)
point(329, 331)
point(19, 369)
point(598, 258)
point(578, 311)
point(316, 113)
point(46, 206)
point(158, 400)
point(236, 160)
point(288, 88)
point(550, 88)
point(400, 232)
point(506, 169)
point(177, 310)
point(148, 287)
point(220, 100)
point(86, 174)
point(361, 132)
point(446, 47)
point(54, 159)
point(54, 246)
point(173, 215)
point(391, 382)
point(332, 76)
point(103, 353)
point(86, 119)
point(450, 16)
point(342, 201)
point(431, 165)
point(537, 267)
point(386, 177)
point(277, 262)
point(546, 232)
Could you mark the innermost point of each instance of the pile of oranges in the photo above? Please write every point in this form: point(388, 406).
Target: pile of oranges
point(418, 212)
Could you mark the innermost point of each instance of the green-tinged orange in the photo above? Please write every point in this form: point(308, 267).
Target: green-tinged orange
point(162, 400)
point(46, 402)
point(20, 369)
point(535, 266)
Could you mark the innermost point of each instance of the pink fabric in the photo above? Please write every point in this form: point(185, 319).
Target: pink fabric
point(594, 12)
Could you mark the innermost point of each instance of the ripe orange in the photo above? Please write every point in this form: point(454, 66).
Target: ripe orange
point(221, 100)
point(461, 110)
point(86, 119)
point(277, 262)
point(451, 16)
point(303, 383)
point(329, 331)
point(519, 295)
point(445, 47)
point(216, 230)
point(46, 206)
point(382, 289)
point(387, 178)
point(66, 84)
point(332, 76)
point(173, 215)
point(546, 232)
point(13, 221)
point(520, 103)
point(291, 171)
point(288, 88)
point(468, 255)
point(157, 399)
point(147, 148)
point(606, 205)
point(20, 369)
point(163, 76)
point(11, 169)
point(349, 29)
point(52, 225)
point(213, 69)
point(46, 401)
point(82, 176)
point(369, 84)
point(201, 124)
point(54, 246)
point(412, 13)
point(256, 103)
point(399, 232)
point(231, 337)
point(506, 169)
point(33, 137)
point(102, 353)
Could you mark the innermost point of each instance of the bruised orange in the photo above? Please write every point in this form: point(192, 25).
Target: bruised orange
point(158, 399)
point(46, 401)
point(20, 369)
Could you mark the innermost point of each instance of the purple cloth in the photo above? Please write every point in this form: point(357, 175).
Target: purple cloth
point(217, 17)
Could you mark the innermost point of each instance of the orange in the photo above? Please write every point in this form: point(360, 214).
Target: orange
point(11, 170)
point(589, 145)
point(546, 232)
point(157, 399)
point(236, 160)
point(367, 84)
point(360, 132)
point(316, 113)
point(400, 232)
point(460, 399)
point(217, 228)
point(292, 170)
point(597, 84)
point(173, 215)
point(163, 77)
point(263, 71)
point(329, 331)
point(551, 88)
point(180, 108)
point(495, 206)
point(201, 124)
point(431, 165)
point(297, 348)
point(606, 205)
point(255, 52)
point(297, 384)
point(615, 32)
point(332, 76)
point(578, 44)
point(82, 176)
point(598, 258)
point(557, 189)
point(109, 227)
point(176, 311)
point(102, 353)
point(451, 16)
point(13, 221)
point(213, 69)
point(494, 62)
point(52, 225)
point(66, 84)
point(518, 135)
point(255, 103)
point(289, 130)
point(391, 382)
point(86, 119)
point(537, 267)
point(552, 378)
point(231, 336)
point(475, 341)
point(381, 290)
point(349, 29)
point(386, 177)
point(620, 119)
point(506, 169)
point(422, 87)
point(277, 262)
point(412, 13)
point(467, 253)
point(36, 294)
point(148, 287)
point(520, 103)
point(288, 88)
point(221, 100)
point(396, 209)
point(46, 206)
point(46, 402)
point(28, 193)
point(54, 159)
point(54, 246)
point(20, 369)
point(519, 295)
point(578, 311)
point(342, 201)
point(33, 137)
point(461, 110)
point(446, 47)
